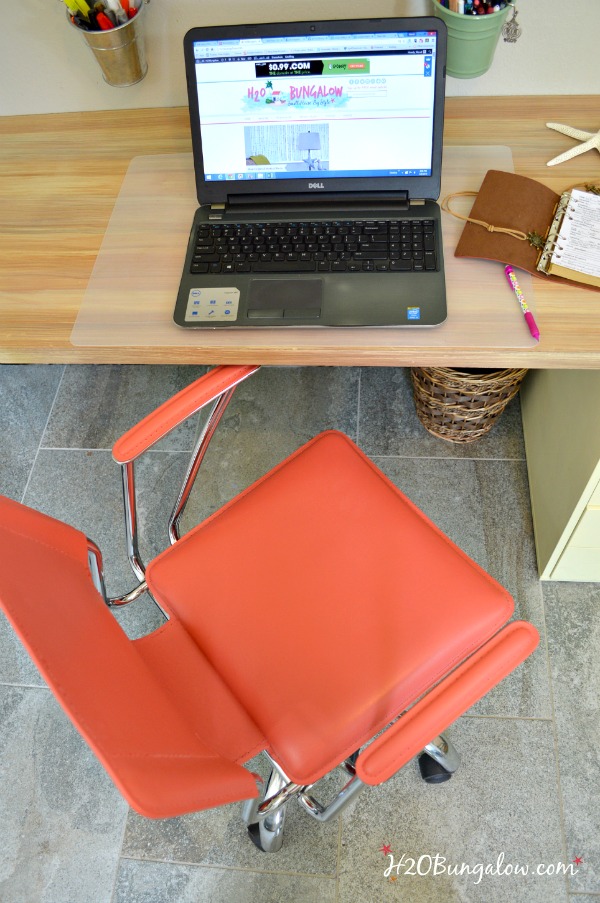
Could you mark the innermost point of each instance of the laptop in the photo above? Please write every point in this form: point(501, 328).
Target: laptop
point(317, 154)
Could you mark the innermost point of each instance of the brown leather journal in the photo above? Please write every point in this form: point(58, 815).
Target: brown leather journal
point(520, 204)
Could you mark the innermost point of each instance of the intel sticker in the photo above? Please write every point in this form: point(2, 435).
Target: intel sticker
point(413, 313)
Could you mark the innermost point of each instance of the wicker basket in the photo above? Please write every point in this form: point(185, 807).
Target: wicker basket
point(462, 405)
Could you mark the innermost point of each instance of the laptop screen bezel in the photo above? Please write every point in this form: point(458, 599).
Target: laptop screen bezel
point(414, 187)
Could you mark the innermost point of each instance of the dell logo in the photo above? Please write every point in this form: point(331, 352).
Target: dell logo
point(316, 185)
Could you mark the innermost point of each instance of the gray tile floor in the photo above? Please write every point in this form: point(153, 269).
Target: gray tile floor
point(527, 795)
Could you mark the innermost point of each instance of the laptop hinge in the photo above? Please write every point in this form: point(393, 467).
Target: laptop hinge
point(309, 199)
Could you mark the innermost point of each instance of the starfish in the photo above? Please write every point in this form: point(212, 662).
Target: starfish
point(590, 140)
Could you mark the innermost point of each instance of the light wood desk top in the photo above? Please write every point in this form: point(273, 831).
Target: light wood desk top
point(60, 176)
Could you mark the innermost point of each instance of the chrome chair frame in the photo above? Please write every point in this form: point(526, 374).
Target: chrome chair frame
point(265, 818)
point(137, 565)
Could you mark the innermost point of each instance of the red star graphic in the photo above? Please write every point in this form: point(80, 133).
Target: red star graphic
point(578, 860)
point(385, 849)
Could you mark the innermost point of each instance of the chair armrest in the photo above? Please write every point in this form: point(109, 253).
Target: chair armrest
point(450, 698)
point(177, 409)
point(216, 387)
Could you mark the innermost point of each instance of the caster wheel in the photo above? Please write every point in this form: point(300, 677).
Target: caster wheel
point(254, 834)
point(431, 771)
point(268, 838)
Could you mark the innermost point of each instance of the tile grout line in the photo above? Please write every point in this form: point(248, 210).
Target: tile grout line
point(338, 865)
point(118, 859)
point(560, 799)
point(40, 443)
point(79, 448)
point(510, 717)
point(442, 457)
point(17, 686)
point(215, 866)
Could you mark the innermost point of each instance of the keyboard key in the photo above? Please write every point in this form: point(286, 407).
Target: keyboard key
point(287, 266)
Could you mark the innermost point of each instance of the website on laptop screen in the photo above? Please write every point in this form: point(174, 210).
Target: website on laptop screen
point(341, 106)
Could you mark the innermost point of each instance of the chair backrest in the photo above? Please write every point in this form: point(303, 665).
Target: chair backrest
point(107, 688)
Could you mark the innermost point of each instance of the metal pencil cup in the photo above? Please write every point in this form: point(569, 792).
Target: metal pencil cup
point(120, 51)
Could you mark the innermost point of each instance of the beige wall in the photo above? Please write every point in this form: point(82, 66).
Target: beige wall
point(46, 68)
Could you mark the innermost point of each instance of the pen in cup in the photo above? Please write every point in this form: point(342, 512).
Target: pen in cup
point(103, 21)
point(512, 281)
point(117, 10)
point(101, 15)
point(474, 7)
point(77, 8)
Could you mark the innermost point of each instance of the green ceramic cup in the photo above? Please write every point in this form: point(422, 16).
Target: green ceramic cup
point(471, 40)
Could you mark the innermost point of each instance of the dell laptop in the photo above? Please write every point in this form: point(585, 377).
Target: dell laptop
point(317, 155)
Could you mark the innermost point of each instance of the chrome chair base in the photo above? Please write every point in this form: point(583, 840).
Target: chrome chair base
point(265, 816)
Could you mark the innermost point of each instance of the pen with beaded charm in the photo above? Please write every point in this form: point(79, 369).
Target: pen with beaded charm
point(512, 281)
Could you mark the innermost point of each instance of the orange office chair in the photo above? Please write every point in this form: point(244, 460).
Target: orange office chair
point(316, 610)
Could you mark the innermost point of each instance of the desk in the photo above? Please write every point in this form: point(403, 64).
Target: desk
point(61, 174)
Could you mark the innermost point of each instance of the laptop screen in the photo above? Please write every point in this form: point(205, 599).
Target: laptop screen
point(329, 106)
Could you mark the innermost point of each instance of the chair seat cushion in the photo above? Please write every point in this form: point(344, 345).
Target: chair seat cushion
point(327, 602)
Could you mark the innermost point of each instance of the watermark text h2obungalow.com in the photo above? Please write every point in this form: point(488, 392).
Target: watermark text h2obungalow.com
point(434, 865)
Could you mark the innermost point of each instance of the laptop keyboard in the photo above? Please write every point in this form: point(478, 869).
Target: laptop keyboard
point(316, 247)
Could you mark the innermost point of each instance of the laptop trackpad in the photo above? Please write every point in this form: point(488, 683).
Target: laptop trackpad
point(290, 298)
